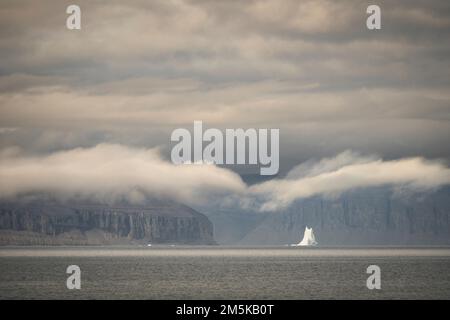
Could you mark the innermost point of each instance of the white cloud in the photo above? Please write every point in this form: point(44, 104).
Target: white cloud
point(114, 172)
point(349, 171)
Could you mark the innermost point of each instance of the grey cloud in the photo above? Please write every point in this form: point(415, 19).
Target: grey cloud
point(137, 69)
point(232, 40)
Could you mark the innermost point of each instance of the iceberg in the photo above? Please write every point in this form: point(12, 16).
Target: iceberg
point(308, 238)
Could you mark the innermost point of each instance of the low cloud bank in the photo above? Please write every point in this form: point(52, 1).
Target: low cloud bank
point(113, 172)
point(349, 171)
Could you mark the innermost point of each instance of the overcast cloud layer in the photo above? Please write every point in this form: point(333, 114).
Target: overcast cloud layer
point(83, 107)
point(138, 69)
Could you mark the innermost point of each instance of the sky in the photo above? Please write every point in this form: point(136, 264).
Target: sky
point(139, 69)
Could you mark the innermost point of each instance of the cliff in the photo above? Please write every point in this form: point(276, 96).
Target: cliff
point(376, 216)
point(48, 223)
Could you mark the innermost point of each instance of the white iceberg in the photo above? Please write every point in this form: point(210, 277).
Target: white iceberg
point(308, 238)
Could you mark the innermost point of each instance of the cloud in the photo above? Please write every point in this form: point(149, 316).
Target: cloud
point(320, 41)
point(349, 171)
point(110, 173)
point(138, 69)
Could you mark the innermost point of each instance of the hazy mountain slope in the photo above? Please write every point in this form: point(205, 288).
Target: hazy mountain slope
point(366, 217)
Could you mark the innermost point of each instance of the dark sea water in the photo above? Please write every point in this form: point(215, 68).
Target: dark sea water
point(224, 273)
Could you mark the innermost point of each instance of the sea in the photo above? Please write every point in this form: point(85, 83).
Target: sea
point(219, 272)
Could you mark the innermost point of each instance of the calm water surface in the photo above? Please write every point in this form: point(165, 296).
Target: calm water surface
point(224, 273)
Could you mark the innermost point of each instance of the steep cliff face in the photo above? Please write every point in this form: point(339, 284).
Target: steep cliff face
point(45, 223)
point(367, 217)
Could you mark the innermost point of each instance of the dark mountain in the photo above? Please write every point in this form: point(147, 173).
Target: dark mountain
point(42, 222)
